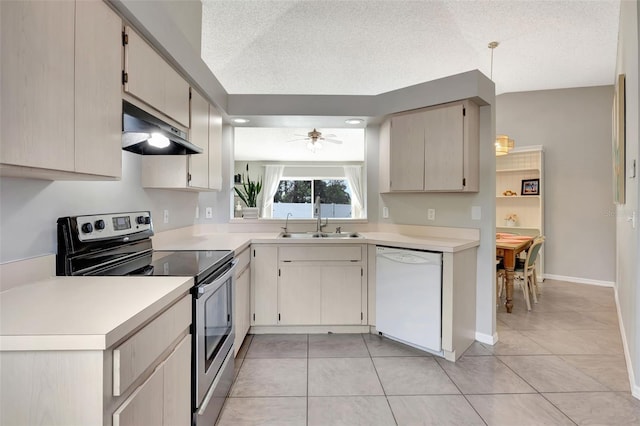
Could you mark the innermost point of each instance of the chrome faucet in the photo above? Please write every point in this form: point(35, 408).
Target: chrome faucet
point(319, 224)
point(286, 223)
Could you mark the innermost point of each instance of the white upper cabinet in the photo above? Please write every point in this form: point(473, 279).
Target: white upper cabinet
point(151, 79)
point(433, 149)
point(61, 103)
point(98, 100)
point(199, 135)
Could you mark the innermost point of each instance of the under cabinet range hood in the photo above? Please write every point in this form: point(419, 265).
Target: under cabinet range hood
point(144, 134)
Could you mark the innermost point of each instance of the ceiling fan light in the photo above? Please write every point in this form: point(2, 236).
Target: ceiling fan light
point(314, 146)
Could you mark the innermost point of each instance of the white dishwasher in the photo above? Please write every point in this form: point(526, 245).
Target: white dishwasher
point(409, 296)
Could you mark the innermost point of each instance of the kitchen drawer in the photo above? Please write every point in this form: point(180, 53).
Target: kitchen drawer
point(320, 253)
point(141, 350)
point(144, 406)
point(244, 259)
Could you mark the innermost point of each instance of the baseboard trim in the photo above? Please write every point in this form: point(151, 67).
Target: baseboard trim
point(580, 280)
point(487, 338)
point(635, 390)
point(308, 329)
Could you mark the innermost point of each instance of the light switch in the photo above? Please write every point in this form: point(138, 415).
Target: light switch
point(476, 213)
point(431, 214)
point(208, 213)
point(166, 216)
point(385, 212)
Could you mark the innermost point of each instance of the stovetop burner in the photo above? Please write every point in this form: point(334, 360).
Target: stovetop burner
point(198, 264)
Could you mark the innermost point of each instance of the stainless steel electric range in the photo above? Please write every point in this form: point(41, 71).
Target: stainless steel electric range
point(119, 244)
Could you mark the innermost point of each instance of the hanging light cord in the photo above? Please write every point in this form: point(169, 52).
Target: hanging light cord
point(492, 46)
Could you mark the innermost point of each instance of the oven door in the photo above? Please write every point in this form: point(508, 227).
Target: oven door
point(213, 309)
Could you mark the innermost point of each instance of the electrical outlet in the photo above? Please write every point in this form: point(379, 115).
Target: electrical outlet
point(385, 212)
point(166, 216)
point(208, 213)
point(431, 214)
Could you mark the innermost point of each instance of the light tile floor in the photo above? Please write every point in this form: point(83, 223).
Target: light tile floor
point(560, 364)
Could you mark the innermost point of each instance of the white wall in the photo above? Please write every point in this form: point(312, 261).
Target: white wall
point(29, 208)
point(574, 128)
point(627, 260)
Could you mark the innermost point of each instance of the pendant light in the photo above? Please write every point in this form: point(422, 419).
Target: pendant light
point(503, 143)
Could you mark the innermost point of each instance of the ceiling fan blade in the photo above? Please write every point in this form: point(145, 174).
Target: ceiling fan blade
point(329, 136)
point(336, 141)
point(298, 140)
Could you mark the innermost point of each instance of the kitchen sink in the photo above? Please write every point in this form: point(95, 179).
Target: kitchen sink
point(308, 235)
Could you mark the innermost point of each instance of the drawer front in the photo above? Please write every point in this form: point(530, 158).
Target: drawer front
point(136, 354)
point(144, 406)
point(244, 260)
point(320, 253)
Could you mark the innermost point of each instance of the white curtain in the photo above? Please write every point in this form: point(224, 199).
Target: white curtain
point(354, 177)
point(272, 176)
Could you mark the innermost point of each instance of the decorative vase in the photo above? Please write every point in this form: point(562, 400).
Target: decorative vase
point(510, 223)
point(250, 213)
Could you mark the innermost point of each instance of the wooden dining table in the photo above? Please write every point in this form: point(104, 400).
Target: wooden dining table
point(507, 247)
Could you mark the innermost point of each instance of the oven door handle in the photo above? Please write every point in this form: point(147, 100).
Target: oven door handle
point(200, 290)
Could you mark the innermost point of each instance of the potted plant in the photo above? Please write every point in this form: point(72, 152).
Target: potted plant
point(511, 219)
point(248, 193)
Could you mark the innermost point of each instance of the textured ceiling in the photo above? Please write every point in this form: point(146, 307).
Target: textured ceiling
point(370, 47)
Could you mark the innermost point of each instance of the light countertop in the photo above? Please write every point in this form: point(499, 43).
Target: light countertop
point(82, 313)
point(239, 241)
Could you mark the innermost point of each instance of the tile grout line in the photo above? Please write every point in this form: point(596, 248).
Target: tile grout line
point(386, 397)
point(460, 390)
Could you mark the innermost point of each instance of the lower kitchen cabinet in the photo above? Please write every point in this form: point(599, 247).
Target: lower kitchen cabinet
point(167, 387)
point(308, 284)
point(145, 379)
point(299, 293)
point(342, 295)
point(264, 284)
point(242, 299)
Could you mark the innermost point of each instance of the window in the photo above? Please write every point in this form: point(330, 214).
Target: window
point(296, 196)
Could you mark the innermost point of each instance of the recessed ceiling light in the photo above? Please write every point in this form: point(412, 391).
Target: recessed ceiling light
point(354, 121)
point(240, 120)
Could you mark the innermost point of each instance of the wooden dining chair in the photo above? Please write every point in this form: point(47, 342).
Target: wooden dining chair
point(526, 271)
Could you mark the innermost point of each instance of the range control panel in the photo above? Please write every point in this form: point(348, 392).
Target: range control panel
point(102, 226)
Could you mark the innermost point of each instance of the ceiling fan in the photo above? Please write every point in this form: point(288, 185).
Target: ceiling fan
point(314, 139)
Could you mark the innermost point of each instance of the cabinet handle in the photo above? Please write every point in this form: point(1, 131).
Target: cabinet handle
point(278, 317)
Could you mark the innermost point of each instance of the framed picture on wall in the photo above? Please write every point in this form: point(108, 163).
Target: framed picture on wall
point(530, 187)
point(618, 140)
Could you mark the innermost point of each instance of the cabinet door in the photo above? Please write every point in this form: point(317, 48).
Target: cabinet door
point(215, 148)
point(407, 153)
point(341, 301)
point(199, 135)
point(177, 385)
point(444, 149)
point(144, 67)
point(264, 285)
point(37, 84)
point(242, 307)
point(98, 98)
point(299, 290)
point(144, 406)
point(152, 80)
